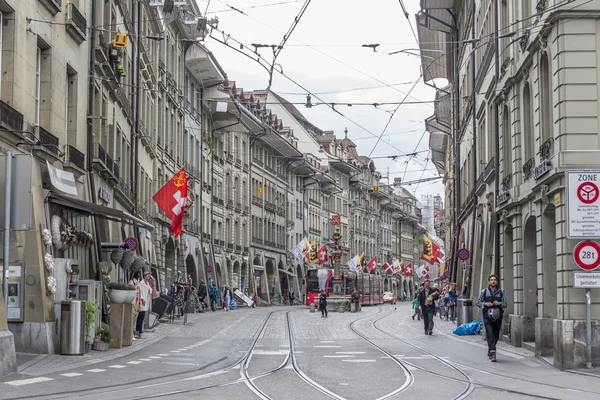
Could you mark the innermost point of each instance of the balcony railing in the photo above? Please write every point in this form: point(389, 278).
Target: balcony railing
point(10, 117)
point(229, 203)
point(546, 149)
point(506, 182)
point(257, 240)
point(246, 250)
point(238, 207)
point(48, 141)
point(76, 157)
point(238, 163)
point(104, 162)
point(76, 23)
point(528, 169)
point(229, 246)
point(238, 248)
point(229, 158)
point(257, 201)
point(488, 172)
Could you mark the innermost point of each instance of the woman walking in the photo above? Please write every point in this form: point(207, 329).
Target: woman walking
point(227, 296)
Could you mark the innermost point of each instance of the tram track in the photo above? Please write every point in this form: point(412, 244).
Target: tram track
point(120, 387)
point(473, 384)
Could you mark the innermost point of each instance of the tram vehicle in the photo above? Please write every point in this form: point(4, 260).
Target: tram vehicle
point(369, 286)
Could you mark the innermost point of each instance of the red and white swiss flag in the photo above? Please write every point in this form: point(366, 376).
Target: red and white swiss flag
point(172, 198)
point(372, 264)
point(408, 270)
point(322, 254)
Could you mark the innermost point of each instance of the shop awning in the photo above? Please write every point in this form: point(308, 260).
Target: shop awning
point(97, 210)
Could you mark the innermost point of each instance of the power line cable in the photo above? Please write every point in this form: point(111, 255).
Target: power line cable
point(329, 56)
point(392, 115)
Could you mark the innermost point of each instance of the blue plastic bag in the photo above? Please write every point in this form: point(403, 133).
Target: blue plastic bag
point(469, 328)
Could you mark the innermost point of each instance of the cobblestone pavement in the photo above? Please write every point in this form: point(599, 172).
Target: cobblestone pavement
point(378, 353)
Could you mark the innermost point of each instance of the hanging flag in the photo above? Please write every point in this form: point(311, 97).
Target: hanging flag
point(359, 264)
point(171, 198)
point(430, 250)
point(426, 273)
point(408, 270)
point(353, 264)
point(400, 268)
point(388, 267)
point(322, 255)
point(372, 264)
point(396, 265)
point(301, 249)
point(311, 255)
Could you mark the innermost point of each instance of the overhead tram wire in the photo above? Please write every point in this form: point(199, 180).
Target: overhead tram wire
point(416, 147)
point(329, 56)
point(259, 58)
point(253, 7)
point(392, 115)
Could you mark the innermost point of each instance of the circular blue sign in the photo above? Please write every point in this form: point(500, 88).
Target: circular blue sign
point(463, 254)
point(132, 243)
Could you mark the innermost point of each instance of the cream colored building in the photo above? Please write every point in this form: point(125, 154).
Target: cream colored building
point(536, 118)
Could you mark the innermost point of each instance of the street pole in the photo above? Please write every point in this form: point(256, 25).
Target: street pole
point(456, 176)
point(588, 327)
point(5, 254)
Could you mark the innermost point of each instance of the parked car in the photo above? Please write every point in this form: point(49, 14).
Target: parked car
point(388, 297)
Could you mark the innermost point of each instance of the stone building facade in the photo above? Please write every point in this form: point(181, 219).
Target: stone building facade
point(535, 110)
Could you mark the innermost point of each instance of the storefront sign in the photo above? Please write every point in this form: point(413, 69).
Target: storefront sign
point(503, 197)
point(542, 169)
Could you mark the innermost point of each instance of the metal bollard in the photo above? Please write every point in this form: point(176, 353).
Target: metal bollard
point(352, 307)
point(312, 307)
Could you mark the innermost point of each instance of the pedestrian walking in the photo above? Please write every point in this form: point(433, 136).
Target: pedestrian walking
point(427, 298)
point(291, 297)
point(493, 303)
point(227, 297)
point(415, 305)
point(452, 297)
point(323, 304)
point(212, 296)
point(202, 295)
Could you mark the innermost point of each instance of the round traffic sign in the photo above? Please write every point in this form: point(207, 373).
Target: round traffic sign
point(587, 255)
point(209, 269)
point(588, 192)
point(132, 243)
point(463, 254)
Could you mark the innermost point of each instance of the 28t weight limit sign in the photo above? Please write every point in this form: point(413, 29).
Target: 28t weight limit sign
point(587, 255)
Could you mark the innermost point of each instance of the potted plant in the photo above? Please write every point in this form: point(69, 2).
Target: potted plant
point(74, 273)
point(90, 323)
point(102, 340)
point(120, 293)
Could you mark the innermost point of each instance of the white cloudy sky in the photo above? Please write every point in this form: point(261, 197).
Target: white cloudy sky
point(324, 54)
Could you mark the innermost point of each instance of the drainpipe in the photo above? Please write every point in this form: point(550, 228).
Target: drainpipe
point(497, 269)
point(457, 178)
point(475, 162)
point(90, 134)
point(135, 135)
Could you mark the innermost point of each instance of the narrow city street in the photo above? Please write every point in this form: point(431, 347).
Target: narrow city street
point(290, 353)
